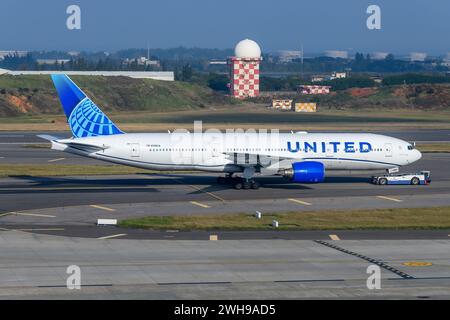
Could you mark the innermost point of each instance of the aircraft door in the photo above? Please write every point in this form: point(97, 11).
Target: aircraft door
point(135, 149)
point(215, 151)
point(388, 149)
point(329, 151)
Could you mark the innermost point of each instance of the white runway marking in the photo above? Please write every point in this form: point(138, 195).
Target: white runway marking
point(33, 215)
point(58, 159)
point(112, 236)
point(42, 229)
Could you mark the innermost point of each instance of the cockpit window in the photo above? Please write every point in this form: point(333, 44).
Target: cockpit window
point(410, 147)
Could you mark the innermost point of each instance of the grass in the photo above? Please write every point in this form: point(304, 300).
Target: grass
point(30, 97)
point(8, 170)
point(433, 147)
point(247, 116)
point(403, 218)
point(30, 103)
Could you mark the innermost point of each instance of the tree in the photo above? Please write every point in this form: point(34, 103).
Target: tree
point(186, 73)
point(389, 57)
point(218, 82)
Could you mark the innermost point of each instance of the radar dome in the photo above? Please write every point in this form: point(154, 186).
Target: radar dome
point(247, 49)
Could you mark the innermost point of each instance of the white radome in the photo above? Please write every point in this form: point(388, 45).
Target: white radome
point(247, 49)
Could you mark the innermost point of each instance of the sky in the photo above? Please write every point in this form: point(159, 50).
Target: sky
point(321, 25)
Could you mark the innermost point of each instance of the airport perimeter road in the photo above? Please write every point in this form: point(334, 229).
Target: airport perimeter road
point(34, 266)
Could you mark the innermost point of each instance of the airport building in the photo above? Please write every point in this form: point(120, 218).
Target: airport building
point(313, 89)
point(244, 69)
point(282, 104)
point(156, 75)
point(286, 56)
point(5, 53)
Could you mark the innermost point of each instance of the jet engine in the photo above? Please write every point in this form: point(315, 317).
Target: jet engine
point(306, 172)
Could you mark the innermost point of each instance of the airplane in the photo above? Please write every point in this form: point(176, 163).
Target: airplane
point(299, 156)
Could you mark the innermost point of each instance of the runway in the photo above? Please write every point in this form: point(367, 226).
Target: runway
point(34, 266)
point(78, 201)
point(48, 223)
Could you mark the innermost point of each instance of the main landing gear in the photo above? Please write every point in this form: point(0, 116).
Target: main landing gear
point(239, 183)
point(246, 184)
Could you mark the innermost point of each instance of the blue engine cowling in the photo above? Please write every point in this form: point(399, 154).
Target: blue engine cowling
point(306, 172)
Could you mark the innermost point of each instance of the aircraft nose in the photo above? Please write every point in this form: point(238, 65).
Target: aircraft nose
point(418, 155)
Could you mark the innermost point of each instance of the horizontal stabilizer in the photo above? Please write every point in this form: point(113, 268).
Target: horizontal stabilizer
point(82, 146)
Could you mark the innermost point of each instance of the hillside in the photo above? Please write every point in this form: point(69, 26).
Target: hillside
point(33, 95)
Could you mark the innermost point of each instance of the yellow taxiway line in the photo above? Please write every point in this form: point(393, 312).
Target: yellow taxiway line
point(101, 207)
point(199, 204)
point(300, 202)
point(334, 237)
point(112, 236)
point(389, 198)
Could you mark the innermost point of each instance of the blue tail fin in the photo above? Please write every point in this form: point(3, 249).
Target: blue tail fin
point(84, 117)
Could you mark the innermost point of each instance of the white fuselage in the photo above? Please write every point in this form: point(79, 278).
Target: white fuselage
point(219, 152)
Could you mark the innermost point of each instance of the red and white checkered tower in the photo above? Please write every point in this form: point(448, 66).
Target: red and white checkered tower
point(244, 69)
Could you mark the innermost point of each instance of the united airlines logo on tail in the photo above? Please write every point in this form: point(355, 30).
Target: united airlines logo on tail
point(84, 117)
point(88, 120)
